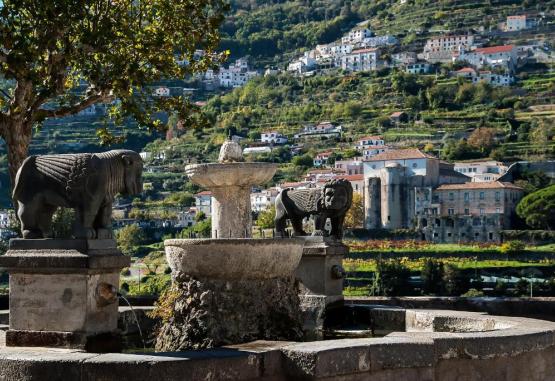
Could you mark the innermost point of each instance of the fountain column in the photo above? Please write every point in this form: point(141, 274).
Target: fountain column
point(230, 288)
point(231, 212)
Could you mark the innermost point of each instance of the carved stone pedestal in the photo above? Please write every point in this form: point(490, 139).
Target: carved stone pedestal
point(63, 293)
point(321, 281)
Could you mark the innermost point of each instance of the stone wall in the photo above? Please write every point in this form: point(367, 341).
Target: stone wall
point(537, 308)
point(436, 345)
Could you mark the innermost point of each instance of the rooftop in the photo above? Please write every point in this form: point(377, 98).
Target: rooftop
point(397, 114)
point(479, 185)
point(401, 154)
point(466, 70)
point(495, 49)
point(374, 137)
point(358, 177)
point(204, 193)
point(366, 50)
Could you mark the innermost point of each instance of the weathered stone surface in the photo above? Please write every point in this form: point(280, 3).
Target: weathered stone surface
point(85, 182)
point(64, 297)
point(231, 185)
point(234, 258)
point(320, 285)
point(332, 201)
point(523, 350)
point(210, 313)
point(61, 302)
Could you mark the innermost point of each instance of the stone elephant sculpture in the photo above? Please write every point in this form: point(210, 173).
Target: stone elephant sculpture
point(85, 182)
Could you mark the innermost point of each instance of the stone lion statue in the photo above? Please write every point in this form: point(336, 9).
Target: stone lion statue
point(85, 182)
point(332, 201)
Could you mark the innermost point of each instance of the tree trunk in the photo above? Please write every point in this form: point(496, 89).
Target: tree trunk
point(17, 137)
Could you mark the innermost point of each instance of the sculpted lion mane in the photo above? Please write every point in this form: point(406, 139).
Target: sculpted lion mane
point(332, 201)
point(85, 182)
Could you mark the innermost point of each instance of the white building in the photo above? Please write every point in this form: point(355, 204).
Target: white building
point(481, 171)
point(349, 167)
point(449, 43)
point(302, 65)
point(377, 41)
point(414, 161)
point(356, 35)
point(404, 58)
point(186, 218)
point(495, 56)
point(321, 129)
point(263, 200)
point(340, 49)
point(519, 22)
point(361, 60)
point(203, 202)
point(419, 68)
point(273, 137)
point(370, 146)
point(493, 79)
point(321, 159)
point(237, 74)
point(257, 150)
point(439, 49)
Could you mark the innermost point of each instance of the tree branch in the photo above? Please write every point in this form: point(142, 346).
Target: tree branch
point(73, 109)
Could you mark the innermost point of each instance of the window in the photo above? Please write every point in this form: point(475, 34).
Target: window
point(466, 211)
point(497, 210)
point(450, 211)
point(497, 196)
point(466, 196)
point(414, 165)
point(482, 195)
point(451, 196)
point(482, 211)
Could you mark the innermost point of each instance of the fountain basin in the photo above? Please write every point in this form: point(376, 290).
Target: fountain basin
point(234, 259)
point(211, 175)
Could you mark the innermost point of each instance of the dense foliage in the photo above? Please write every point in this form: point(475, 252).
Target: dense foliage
point(537, 209)
point(59, 58)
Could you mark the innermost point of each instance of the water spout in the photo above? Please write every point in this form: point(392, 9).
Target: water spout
point(136, 319)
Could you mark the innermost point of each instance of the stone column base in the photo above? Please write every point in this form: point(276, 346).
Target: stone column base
point(321, 276)
point(211, 313)
point(63, 293)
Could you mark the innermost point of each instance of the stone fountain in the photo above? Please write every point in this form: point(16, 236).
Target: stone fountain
point(231, 288)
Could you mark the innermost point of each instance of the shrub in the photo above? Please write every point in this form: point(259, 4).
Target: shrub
point(454, 281)
point(500, 288)
point(392, 278)
point(432, 274)
point(125, 272)
point(512, 247)
point(473, 293)
point(124, 287)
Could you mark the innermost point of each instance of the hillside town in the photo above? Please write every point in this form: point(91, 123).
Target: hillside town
point(360, 50)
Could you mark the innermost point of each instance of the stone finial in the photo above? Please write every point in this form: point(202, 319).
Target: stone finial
point(230, 152)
